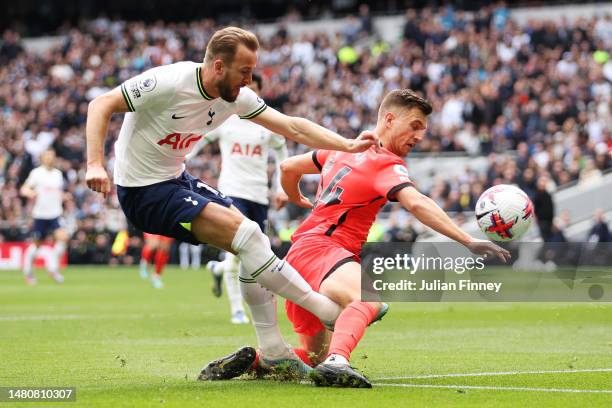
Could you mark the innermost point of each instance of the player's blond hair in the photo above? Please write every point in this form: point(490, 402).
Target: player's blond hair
point(404, 99)
point(224, 43)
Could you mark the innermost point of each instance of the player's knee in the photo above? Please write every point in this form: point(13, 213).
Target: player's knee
point(248, 232)
point(340, 294)
point(61, 235)
point(217, 216)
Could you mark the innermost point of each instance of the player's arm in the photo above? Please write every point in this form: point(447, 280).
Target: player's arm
point(292, 170)
point(429, 213)
point(27, 191)
point(310, 134)
point(280, 154)
point(99, 113)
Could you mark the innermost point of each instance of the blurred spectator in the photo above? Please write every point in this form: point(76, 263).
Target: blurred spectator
point(599, 232)
point(544, 208)
point(542, 89)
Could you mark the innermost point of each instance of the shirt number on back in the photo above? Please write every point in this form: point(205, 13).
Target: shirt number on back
point(214, 191)
point(332, 193)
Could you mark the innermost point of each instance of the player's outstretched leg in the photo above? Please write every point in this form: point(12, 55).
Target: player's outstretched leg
point(350, 327)
point(229, 229)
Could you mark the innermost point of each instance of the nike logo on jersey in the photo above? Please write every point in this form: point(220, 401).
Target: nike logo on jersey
point(177, 117)
point(211, 114)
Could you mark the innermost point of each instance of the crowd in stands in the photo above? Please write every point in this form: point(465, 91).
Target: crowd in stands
point(534, 98)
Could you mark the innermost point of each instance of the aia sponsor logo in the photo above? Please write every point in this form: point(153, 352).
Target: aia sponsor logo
point(246, 150)
point(179, 140)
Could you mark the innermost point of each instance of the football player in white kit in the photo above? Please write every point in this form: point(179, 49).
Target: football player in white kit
point(170, 108)
point(45, 185)
point(244, 178)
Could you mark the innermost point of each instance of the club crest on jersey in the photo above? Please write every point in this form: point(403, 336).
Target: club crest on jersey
point(246, 150)
point(329, 163)
point(360, 158)
point(179, 140)
point(211, 114)
point(147, 84)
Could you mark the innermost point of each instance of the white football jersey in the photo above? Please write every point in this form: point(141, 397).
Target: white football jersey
point(49, 187)
point(245, 147)
point(170, 112)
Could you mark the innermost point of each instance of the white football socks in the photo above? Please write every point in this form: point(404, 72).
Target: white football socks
point(196, 256)
point(55, 257)
point(29, 259)
point(60, 248)
point(184, 255)
point(262, 304)
point(230, 276)
point(253, 248)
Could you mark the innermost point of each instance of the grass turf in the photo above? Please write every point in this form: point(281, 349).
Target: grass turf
point(124, 344)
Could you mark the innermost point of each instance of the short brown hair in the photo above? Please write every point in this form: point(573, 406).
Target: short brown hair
point(224, 43)
point(407, 99)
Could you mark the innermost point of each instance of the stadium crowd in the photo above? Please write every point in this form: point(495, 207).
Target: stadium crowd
point(534, 98)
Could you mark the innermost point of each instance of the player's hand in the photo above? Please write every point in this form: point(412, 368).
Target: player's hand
point(97, 179)
point(488, 249)
point(280, 199)
point(363, 142)
point(301, 201)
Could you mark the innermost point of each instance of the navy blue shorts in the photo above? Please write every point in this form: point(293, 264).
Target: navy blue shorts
point(252, 210)
point(42, 228)
point(167, 208)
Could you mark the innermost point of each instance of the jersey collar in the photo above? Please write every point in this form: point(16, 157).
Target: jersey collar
point(203, 92)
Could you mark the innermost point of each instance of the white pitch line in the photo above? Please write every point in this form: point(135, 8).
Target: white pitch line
point(81, 317)
point(492, 374)
point(485, 387)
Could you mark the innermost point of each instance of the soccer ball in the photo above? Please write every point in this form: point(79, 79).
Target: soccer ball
point(504, 212)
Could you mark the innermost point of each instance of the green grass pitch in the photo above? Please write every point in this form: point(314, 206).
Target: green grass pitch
point(124, 344)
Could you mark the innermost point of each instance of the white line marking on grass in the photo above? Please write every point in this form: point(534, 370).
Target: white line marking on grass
point(485, 387)
point(492, 374)
point(82, 317)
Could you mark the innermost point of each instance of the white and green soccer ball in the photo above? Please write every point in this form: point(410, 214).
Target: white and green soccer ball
point(504, 212)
